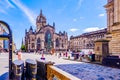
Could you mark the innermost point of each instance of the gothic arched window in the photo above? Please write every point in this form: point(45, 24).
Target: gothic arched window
point(38, 44)
point(57, 42)
point(48, 40)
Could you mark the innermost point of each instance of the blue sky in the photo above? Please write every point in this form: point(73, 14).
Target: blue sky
point(73, 16)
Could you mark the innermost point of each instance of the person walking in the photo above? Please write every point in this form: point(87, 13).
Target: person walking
point(59, 55)
point(19, 55)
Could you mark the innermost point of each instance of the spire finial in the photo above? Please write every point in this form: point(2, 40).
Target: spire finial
point(25, 30)
point(22, 41)
point(53, 24)
point(41, 12)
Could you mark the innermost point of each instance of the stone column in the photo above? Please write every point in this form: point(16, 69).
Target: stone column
point(116, 10)
point(35, 44)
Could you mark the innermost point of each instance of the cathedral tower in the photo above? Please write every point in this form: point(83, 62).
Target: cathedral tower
point(40, 21)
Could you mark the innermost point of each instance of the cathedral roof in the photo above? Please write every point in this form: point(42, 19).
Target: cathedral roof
point(41, 13)
point(45, 27)
point(31, 28)
point(49, 26)
point(96, 32)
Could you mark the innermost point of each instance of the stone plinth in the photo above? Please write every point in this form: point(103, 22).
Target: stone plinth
point(101, 49)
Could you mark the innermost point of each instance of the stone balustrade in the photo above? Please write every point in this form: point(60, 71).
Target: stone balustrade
point(39, 70)
point(58, 74)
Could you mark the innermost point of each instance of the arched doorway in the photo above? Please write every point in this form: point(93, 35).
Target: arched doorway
point(48, 41)
point(38, 44)
point(57, 42)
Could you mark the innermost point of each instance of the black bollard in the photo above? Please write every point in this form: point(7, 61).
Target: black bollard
point(42, 69)
point(18, 70)
point(31, 69)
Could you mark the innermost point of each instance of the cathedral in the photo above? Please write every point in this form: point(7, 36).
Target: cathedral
point(44, 37)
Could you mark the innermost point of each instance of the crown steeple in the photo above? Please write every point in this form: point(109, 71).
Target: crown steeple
point(40, 21)
point(41, 12)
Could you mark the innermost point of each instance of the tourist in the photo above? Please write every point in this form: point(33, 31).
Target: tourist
point(82, 54)
point(66, 54)
point(19, 55)
point(63, 54)
point(59, 55)
point(38, 52)
point(42, 58)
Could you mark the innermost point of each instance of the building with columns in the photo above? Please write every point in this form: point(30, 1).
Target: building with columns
point(113, 26)
point(45, 37)
point(87, 40)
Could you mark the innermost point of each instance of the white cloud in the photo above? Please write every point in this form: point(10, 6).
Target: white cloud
point(73, 29)
point(25, 10)
point(101, 15)
point(79, 4)
point(92, 29)
point(3, 11)
point(4, 5)
point(9, 4)
point(81, 17)
point(74, 19)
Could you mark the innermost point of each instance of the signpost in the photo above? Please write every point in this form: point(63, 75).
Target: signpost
point(8, 36)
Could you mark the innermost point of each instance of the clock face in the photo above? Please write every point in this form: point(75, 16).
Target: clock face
point(3, 29)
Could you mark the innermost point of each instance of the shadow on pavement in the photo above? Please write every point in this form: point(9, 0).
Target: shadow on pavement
point(4, 76)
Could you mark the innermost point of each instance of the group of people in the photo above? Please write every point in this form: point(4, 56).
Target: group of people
point(64, 54)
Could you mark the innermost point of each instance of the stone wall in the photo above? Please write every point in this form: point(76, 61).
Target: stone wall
point(115, 43)
point(113, 26)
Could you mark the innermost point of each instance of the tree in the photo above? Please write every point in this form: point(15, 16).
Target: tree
point(23, 48)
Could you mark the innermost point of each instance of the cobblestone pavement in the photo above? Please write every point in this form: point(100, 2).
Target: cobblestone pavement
point(4, 66)
point(4, 61)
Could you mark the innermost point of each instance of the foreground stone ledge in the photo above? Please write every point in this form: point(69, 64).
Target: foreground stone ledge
point(54, 72)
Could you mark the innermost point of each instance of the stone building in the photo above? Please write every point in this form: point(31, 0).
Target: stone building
point(86, 40)
point(113, 25)
point(3, 43)
point(45, 37)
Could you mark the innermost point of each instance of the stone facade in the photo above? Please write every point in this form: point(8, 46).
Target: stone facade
point(4, 44)
point(1, 41)
point(101, 49)
point(44, 37)
point(113, 26)
point(86, 40)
